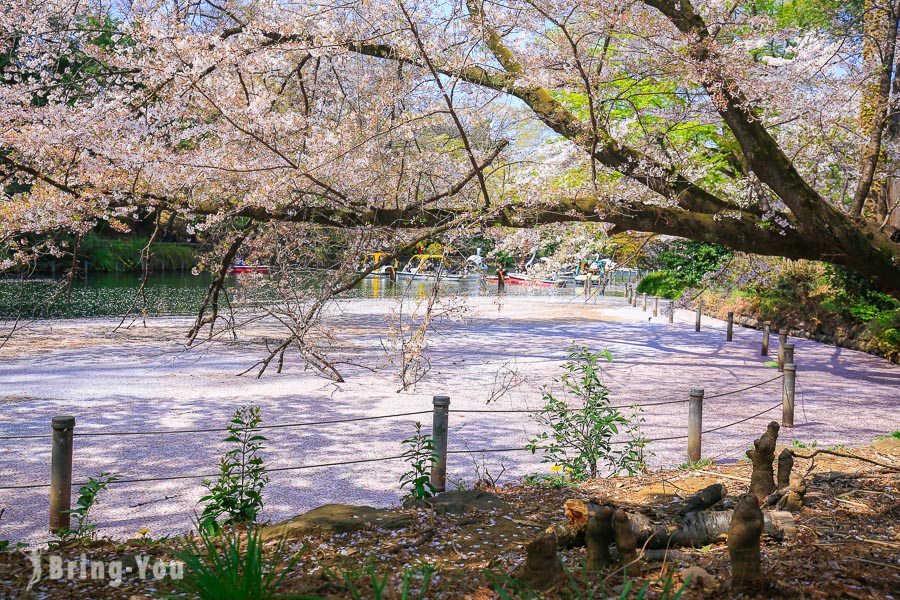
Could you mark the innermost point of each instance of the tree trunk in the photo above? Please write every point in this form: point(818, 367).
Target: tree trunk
point(743, 542)
point(762, 480)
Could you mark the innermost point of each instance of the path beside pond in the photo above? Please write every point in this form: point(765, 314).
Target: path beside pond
point(144, 378)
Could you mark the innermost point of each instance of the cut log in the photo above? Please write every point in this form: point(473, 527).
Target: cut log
point(697, 529)
point(542, 568)
point(785, 466)
point(743, 542)
point(598, 536)
point(762, 480)
point(705, 498)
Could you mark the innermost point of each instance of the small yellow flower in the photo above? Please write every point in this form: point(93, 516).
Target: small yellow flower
point(556, 468)
point(570, 470)
point(143, 531)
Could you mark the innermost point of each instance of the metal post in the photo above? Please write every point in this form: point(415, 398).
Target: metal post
point(655, 306)
point(439, 426)
point(695, 424)
point(671, 311)
point(644, 302)
point(697, 322)
point(61, 472)
point(765, 341)
point(789, 353)
point(787, 395)
point(729, 333)
point(782, 340)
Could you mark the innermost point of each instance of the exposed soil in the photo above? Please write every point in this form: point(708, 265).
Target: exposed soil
point(846, 543)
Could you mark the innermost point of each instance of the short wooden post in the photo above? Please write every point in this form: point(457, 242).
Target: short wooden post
point(695, 424)
point(787, 394)
point(782, 340)
point(440, 422)
point(729, 332)
point(671, 311)
point(61, 472)
point(501, 279)
point(764, 351)
point(634, 298)
point(644, 302)
point(697, 322)
point(789, 353)
point(655, 306)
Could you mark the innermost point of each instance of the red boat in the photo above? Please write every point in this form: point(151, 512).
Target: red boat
point(518, 279)
point(261, 269)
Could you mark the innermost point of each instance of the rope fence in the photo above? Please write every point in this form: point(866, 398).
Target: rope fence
point(63, 434)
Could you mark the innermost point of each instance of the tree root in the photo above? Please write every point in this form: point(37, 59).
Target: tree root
point(762, 480)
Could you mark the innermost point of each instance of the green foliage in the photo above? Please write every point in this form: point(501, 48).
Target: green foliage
point(700, 464)
point(688, 261)
point(84, 530)
point(805, 445)
point(358, 582)
point(662, 283)
point(420, 453)
point(579, 427)
point(236, 496)
point(231, 567)
point(107, 254)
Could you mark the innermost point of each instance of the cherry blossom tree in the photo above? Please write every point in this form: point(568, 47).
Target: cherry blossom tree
point(738, 123)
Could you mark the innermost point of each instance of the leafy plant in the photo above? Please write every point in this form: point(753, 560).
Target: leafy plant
point(804, 445)
point(236, 496)
point(580, 426)
point(231, 567)
point(700, 464)
point(420, 453)
point(84, 530)
point(662, 283)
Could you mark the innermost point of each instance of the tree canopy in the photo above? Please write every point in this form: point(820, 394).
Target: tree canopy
point(767, 127)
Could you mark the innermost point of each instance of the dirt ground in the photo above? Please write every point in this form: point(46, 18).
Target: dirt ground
point(845, 544)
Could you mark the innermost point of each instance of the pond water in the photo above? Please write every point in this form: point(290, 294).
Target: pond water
point(109, 294)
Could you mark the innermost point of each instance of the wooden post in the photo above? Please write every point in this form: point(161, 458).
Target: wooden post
point(61, 472)
point(729, 333)
point(765, 341)
point(782, 340)
point(671, 311)
point(655, 306)
point(634, 298)
point(501, 279)
point(789, 353)
point(695, 424)
point(440, 422)
point(644, 302)
point(787, 395)
point(697, 322)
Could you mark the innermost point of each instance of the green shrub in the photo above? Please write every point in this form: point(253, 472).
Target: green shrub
point(419, 455)
point(579, 427)
point(661, 283)
point(236, 496)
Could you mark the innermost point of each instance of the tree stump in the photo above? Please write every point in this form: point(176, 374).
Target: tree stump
point(598, 536)
point(762, 480)
point(743, 542)
point(785, 466)
point(542, 568)
point(626, 541)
